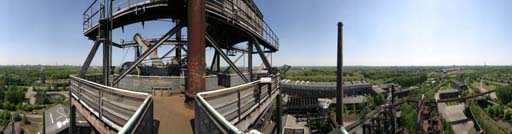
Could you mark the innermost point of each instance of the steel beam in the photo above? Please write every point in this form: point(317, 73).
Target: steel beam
point(236, 60)
point(225, 57)
point(169, 52)
point(215, 61)
point(262, 56)
point(249, 58)
point(339, 77)
point(178, 46)
point(148, 52)
point(196, 52)
point(89, 59)
point(145, 44)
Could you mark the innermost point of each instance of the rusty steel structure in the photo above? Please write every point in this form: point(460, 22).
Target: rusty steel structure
point(110, 105)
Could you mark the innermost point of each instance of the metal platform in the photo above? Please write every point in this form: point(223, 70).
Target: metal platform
point(238, 20)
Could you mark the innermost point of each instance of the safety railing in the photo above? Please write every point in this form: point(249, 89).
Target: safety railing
point(234, 109)
point(246, 16)
point(93, 14)
point(237, 10)
point(123, 110)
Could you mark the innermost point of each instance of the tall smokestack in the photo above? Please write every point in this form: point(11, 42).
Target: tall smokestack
point(339, 77)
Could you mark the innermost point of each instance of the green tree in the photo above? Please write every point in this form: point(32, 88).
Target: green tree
point(409, 114)
point(5, 116)
point(504, 94)
point(379, 99)
point(16, 117)
point(25, 120)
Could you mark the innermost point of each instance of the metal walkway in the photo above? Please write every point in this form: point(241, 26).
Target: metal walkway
point(234, 109)
point(109, 109)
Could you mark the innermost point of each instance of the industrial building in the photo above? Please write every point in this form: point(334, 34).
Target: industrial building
point(326, 89)
point(458, 85)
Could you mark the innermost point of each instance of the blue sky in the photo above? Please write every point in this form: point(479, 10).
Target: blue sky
point(395, 32)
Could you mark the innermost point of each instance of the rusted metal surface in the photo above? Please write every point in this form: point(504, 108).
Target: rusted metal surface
point(196, 47)
point(339, 76)
point(98, 125)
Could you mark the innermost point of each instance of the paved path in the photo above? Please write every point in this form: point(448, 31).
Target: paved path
point(482, 89)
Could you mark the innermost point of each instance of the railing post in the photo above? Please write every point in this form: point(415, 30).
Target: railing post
point(239, 106)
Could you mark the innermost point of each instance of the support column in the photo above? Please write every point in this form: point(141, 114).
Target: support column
point(339, 77)
point(279, 118)
point(249, 57)
point(178, 45)
point(196, 51)
point(72, 120)
point(218, 61)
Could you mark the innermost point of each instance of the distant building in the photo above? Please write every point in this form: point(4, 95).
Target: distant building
point(446, 94)
point(353, 88)
point(458, 85)
point(451, 69)
point(326, 89)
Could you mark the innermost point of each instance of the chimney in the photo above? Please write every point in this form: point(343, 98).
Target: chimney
point(339, 77)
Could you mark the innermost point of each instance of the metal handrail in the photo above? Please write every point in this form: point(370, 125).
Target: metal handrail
point(223, 121)
point(227, 120)
point(132, 122)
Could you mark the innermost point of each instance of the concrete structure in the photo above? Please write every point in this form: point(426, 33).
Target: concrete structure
point(148, 83)
point(455, 115)
point(292, 126)
point(229, 80)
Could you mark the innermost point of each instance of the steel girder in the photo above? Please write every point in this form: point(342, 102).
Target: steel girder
point(148, 52)
point(225, 57)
